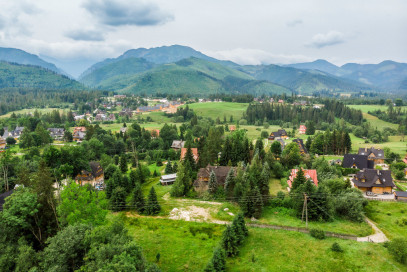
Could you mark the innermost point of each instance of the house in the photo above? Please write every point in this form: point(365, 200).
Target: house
point(301, 146)
point(2, 143)
point(232, 128)
point(3, 198)
point(79, 134)
point(119, 96)
point(375, 155)
point(155, 133)
point(16, 133)
point(57, 133)
point(126, 112)
point(281, 141)
point(281, 133)
point(194, 153)
point(357, 161)
point(310, 174)
point(281, 101)
point(400, 195)
point(303, 129)
point(177, 144)
point(94, 177)
point(168, 179)
point(202, 180)
point(375, 181)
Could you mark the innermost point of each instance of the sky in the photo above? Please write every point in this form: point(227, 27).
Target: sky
point(246, 32)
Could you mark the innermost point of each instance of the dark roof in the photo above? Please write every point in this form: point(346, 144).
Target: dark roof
point(221, 173)
point(3, 198)
point(400, 193)
point(95, 171)
point(379, 153)
point(279, 133)
point(361, 161)
point(300, 143)
point(374, 178)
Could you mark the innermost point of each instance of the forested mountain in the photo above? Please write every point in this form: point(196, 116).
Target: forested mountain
point(20, 76)
point(303, 81)
point(14, 55)
point(387, 75)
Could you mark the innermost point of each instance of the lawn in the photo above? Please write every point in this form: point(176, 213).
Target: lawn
point(367, 108)
point(31, 111)
point(183, 246)
point(388, 217)
point(275, 187)
point(278, 250)
point(219, 109)
point(286, 217)
point(378, 123)
point(394, 143)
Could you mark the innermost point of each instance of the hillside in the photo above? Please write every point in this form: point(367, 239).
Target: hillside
point(30, 77)
point(21, 57)
point(302, 81)
point(321, 65)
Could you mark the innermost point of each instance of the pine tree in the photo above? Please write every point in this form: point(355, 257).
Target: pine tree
point(189, 157)
point(168, 168)
point(242, 224)
point(213, 184)
point(218, 261)
point(230, 182)
point(138, 199)
point(118, 199)
point(263, 182)
point(298, 180)
point(133, 178)
point(257, 203)
point(152, 206)
point(175, 167)
point(182, 182)
point(123, 163)
point(229, 242)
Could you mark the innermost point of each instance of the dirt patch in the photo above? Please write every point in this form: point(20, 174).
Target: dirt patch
point(194, 213)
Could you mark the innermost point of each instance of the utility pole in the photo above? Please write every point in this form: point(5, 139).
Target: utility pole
point(305, 210)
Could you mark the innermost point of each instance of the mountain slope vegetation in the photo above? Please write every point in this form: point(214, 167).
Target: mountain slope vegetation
point(20, 76)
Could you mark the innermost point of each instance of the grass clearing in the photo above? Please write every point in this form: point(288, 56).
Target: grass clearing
point(275, 186)
point(286, 217)
point(219, 109)
point(31, 111)
point(387, 216)
point(278, 250)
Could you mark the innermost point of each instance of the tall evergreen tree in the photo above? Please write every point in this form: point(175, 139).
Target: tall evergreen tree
point(218, 261)
point(118, 199)
point(298, 180)
point(123, 163)
point(229, 242)
point(138, 199)
point(189, 157)
point(182, 183)
point(152, 206)
point(230, 182)
point(168, 168)
point(263, 182)
point(213, 184)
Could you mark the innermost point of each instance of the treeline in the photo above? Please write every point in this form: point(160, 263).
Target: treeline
point(239, 98)
point(297, 114)
point(330, 143)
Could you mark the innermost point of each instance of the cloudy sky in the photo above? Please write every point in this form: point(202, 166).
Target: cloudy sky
point(247, 32)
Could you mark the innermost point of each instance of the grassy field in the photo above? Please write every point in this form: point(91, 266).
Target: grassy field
point(278, 250)
point(367, 108)
point(219, 109)
point(378, 123)
point(275, 187)
point(286, 217)
point(388, 217)
point(394, 143)
point(26, 111)
point(183, 246)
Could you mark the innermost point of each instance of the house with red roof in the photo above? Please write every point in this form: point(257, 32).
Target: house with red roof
point(232, 128)
point(194, 153)
point(310, 174)
point(302, 129)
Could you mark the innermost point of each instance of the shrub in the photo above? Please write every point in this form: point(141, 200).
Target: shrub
point(336, 247)
point(243, 122)
point(398, 248)
point(317, 233)
point(264, 134)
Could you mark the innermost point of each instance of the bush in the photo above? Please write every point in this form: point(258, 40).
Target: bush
point(317, 233)
point(243, 122)
point(398, 248)
point(264, 134)
point(336, 247)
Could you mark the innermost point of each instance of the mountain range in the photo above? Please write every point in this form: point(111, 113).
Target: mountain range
point(181, 69)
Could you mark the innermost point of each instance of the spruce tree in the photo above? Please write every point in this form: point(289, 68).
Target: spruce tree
point(189, 157)
point(118, 199)
point(152, 205)
point(230, 182)
point(123, 163)
point(138, 199)
point(182, 180)
point(263, 182)
point(257, 203)
point(133, 178)
point(218, 261)
point(242, 224)
point(229, 242)
point(175, 167)
point(168, 168)
point(298, 180)
point(347, 143)
point(213, 184)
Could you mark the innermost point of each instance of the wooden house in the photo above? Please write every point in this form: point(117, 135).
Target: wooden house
point(303, 129)
point(373, 154)
point(79, 134)
point(2, 143)
point(400, 195)
point(202, 180)
point(301, 146)
point(356, 161)
point(177, 144)
point(281, 133)
point(93, 177)
point(375, 181)
point(310, 174)
point(57, 133)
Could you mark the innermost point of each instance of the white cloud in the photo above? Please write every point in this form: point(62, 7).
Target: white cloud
point(246, 56)
point(322, 40)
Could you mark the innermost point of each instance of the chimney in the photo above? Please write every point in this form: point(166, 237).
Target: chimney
point(378, 172)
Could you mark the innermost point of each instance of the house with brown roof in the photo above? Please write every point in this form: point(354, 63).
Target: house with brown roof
point(194, 153)
point(93, 177)
point(202, 180)
point(281, 133)
point(373, 154)
point(301, 146)
point(375, 181)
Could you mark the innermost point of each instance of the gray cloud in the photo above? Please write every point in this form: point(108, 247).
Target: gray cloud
point(293, 23)
point(127, 12)
point(85, 35)
point(322, 40)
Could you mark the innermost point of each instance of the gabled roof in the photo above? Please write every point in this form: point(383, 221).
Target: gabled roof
point(95, 171)
point(3, 198)
point(400, 193)
point(300, 144)
point(310, 174)
point(374, 178)
point(378, 153)
point(194, 153)
point(361, 161)
point(178, 144)
point(221, 173)
point(279, 133)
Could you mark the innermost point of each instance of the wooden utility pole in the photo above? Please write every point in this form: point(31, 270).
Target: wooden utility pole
point(305, 210)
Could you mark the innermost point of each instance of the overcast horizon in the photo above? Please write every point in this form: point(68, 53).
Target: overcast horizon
point(255, 32)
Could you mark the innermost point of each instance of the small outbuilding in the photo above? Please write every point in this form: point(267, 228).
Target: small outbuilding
point(168, 179)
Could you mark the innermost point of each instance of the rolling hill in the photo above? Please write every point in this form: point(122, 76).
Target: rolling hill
point(14, 55)
point(20, 76)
